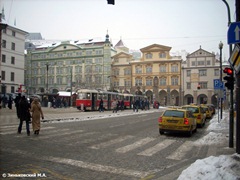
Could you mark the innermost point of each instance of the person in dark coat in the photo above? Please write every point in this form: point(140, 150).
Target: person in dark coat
point(24, 114)
point(101, 106)
point(17, 99)
point(10, 102)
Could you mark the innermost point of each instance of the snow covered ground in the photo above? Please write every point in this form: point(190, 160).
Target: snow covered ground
point(223, 167)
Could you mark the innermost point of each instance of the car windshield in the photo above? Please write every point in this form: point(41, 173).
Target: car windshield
point(173, 113)
point(193, 109)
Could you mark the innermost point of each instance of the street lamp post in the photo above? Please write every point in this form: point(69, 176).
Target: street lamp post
point(220, 47)
point(47, 65)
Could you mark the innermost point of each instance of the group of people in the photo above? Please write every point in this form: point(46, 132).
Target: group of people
point(117, 105)
point(6, 101)
point(27, 111)
point(141, 104)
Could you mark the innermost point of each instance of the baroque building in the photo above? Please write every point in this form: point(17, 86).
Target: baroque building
point(69, 65)
point(156, 75)
point(198, 73)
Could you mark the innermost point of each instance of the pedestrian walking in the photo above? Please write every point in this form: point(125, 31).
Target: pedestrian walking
point(137, 104)
point(114, 105)
point(101, 105)
point(122, 105)
point(24, 114)
point(10, 102)
point(37, 113)
point(17, 100)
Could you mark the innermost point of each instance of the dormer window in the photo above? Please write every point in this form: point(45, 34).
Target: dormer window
point(148, 56)
point(162, 55)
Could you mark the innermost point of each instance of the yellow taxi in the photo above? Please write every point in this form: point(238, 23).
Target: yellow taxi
point(177, 120)
point(198, 112)
point(208, 110)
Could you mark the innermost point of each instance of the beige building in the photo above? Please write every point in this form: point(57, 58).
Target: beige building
point(200, 69)
point(156, 75)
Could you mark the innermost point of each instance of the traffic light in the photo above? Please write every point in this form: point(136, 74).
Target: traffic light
point(229, 78)
point(111, 2)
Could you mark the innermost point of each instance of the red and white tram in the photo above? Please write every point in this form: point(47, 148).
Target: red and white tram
point(89, 99)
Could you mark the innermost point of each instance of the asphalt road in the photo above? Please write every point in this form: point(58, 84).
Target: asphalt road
point(71, 145)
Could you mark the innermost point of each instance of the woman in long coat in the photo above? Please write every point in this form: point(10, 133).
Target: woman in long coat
point(36, 115)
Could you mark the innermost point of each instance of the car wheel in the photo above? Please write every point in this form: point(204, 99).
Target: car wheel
point(161, 132)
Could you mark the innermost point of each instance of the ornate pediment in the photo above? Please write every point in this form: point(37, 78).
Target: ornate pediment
point(155, 48)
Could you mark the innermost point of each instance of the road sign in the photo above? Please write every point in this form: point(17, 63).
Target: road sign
point(234, 60)
point(234, 33)
point(217, 84)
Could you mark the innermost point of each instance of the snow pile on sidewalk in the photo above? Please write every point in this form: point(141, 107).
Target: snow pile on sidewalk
point(220, 168)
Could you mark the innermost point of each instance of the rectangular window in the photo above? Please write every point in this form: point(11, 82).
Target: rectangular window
point(148, 56)
point(200, 63)
point(12, 76)
point(127, 83)
point(162, 55)
point(208, 63)
point(149, 82)
point(127, 71)
point(3, 74)
point(98, 52)
point(13, 46)
point(188, 73)
point(3, 58)
point(59, 80)
point(12, 60)
point(138, 82)
point(162, 68)
point(88, 52)
point(163, 82)
point(193, 63)
point(138, 70)
point(202, 72)
point(13, 33)
point(174, 68)
point(203, 85)
point(216, 72)
point(149, 69)
point(189, 85)
point(12, 89)
point(4, 43)
point(174, 81)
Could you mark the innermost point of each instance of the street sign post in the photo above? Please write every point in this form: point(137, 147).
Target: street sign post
point(217, 84)
point(234, 33)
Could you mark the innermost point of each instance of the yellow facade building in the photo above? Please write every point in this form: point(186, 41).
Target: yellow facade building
point(156, 75)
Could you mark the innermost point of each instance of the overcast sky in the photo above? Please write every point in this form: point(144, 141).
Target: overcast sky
point(180, 24)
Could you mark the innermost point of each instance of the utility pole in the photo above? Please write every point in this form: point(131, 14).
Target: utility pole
point(238, 91)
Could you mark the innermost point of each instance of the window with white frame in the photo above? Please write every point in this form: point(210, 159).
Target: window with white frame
point(148, 82)
point(174, 81)
point(189, 85)
point(202, 72)
point(162, 55)
point(174, 68)
point(138, 82)
point(203, 85)
point(98, 69)
point(149, 69)
point(59, 80)
point(163, 81)
point(216, 72)
point(127, 71)
point(188, 73)
point(148, 56)
point(138, 70)
point(162, 68)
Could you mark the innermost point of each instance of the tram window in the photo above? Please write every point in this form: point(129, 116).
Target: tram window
point(88, 96)
point(104, 96)
point(100, 96)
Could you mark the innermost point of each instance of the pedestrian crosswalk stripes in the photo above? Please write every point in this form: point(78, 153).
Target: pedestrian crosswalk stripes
point(108, 143)
point(149, 146)
point(134, 145)
point(158, 147)
point(181, 151)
